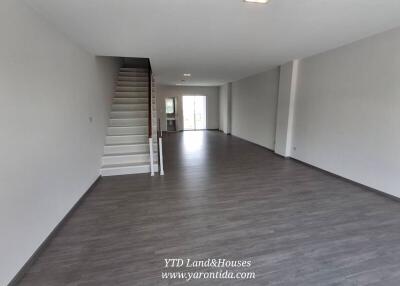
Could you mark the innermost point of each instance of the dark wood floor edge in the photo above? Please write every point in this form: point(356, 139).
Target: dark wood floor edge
point(18, 277)
point(365, 187)
point(258, 145)
point(222, 131)
point(283, 157)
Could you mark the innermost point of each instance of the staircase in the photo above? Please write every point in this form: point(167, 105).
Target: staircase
point(126, 149)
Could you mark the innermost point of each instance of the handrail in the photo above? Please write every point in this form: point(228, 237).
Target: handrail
point(150, 117)
point(150, 75)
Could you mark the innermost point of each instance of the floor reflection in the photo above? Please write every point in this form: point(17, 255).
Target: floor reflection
point(193, 141)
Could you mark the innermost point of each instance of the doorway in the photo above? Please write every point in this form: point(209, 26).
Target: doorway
point(194, 112)
point(170, 111)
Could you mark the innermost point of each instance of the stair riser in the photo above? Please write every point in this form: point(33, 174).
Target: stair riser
point(133, 89)
point(128, 122)
point(127, 170)
point(121, 124)
point(130, 130)
point(141, 88)
point(126, 130)
point(133, 69)
point(129, 139)
point(131, 101)
point(126, 159)
point(133, 74)
point(132, 94)
point(128, 114)
point(132, 84)
point(128, 95)
point(117, 131)
point(118, 149)
point(132, 122)
point(134, 78)
point(124, 107)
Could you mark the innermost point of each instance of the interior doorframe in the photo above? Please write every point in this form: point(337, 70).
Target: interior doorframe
point(177, 111)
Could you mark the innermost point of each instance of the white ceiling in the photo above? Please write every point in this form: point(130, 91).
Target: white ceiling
point(216, 40)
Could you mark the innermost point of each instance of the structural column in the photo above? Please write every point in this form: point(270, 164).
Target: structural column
point(285, 110)
point(225, 108)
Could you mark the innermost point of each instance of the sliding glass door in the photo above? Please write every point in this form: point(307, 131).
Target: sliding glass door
point(194, 112)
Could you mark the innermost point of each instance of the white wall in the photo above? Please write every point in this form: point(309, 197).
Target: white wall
point(254, 101)
point(225, 108)
point(347, 112)
point(50, 151)
point(285, 109)
point(212, 98)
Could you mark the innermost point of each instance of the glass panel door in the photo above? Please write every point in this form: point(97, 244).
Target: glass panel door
point(194, 112)
point(200, 112)
point(188, 112)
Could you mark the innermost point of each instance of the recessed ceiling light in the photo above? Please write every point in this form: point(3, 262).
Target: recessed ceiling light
point(187, 74)
point(257, 1)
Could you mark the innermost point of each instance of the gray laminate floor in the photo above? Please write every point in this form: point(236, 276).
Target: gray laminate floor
point(222, 197)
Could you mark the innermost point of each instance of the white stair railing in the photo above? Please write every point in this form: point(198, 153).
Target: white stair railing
point(150, 119)
point(158, 129)
point(151, 156)
point(160, 150)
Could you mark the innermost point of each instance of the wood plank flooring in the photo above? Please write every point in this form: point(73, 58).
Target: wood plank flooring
point(223, 197)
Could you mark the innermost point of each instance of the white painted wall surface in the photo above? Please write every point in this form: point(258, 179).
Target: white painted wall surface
point(285, 108)
point(224, 108)
point(254, 102)
point(50, 151)
point(347, 114)
point(212, 94)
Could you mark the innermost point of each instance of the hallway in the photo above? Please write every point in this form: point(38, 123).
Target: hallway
point(223, 197)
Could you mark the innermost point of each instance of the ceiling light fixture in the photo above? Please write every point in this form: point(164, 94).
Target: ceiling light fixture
point(257, 1)
point(187, 74)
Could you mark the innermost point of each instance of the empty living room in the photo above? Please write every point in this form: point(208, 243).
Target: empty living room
point(211, 142)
